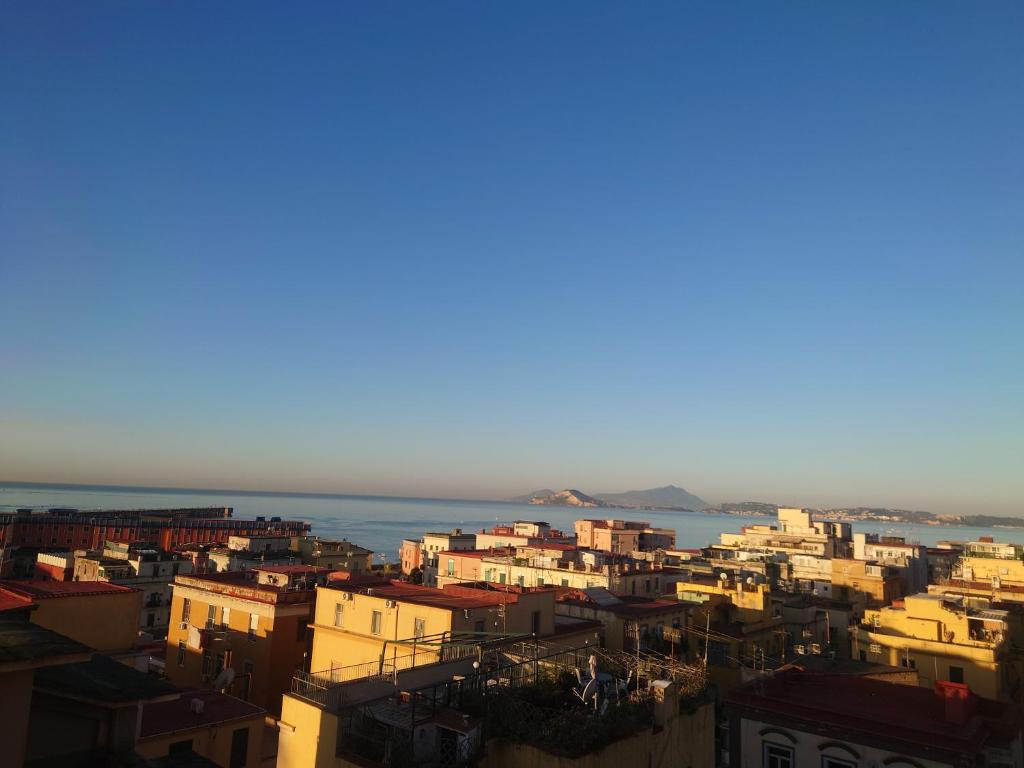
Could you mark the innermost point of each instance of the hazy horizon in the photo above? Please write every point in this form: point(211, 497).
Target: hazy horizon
point(468, 251)
point(509, 498)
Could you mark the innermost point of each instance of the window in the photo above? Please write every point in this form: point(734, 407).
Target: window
point(225, 617)
point(239, 748)
point(419, 627)
point(339, 615)
point(836, 762)
point(908, 663)
point(248, 668)
point(207, 660)
point(181, 653)
point(521, 581)
point(478, 626)
point(565, 582)
point(301, 629)
point(535, 623)
point(150, 619)
point(211, 615)
point(778, 756)
point(186, 609)
point(956, 674)
point(254, 623)
point(451, 566)
point(375, 623)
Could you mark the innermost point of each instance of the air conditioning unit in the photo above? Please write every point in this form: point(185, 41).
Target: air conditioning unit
point(390, 603)
point(875, 648)
point(799, 650)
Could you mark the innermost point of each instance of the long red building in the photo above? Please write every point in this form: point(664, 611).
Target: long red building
point(169, 528)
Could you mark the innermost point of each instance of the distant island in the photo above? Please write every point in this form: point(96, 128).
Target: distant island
point(666, 497)
point(674, 498)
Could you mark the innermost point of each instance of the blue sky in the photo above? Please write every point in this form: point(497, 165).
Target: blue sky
point(472, 249)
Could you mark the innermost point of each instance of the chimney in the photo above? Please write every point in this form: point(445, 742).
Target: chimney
point(958, 700)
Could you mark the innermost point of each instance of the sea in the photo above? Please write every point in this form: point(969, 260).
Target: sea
point(380, 523)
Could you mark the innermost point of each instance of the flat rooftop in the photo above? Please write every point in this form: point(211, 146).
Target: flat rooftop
point(47, 590)
point(874, 708)
point(456, 598)
point(160, 718)
point(103, 680)
point(22, 641)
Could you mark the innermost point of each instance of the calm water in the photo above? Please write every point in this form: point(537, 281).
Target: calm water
point(381, 523)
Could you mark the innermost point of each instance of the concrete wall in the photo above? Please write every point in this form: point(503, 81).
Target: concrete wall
point(15, 703)
point(107, 622)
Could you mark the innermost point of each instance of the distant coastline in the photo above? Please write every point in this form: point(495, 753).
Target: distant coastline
point(736, 509)
point(238, 492)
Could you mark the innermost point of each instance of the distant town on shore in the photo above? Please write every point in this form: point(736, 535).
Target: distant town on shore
point(671, 497)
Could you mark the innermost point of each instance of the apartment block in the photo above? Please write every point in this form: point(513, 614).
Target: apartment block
point(798, 719)
point(363, 622)
point(944, 639)
point(252, 622)
point(332, 554)
point(622, 536)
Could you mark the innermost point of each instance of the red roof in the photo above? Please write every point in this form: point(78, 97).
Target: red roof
point(876, 709)
point(163, 717)
point(414, 593)
point(44, 590)
point(12, 602)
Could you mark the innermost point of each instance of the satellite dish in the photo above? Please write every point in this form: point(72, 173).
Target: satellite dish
point(750, 580)
point(723, 576)
point(224, 679)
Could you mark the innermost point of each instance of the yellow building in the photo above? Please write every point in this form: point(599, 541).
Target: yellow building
point(98, 614)
point(359, 622)
point(986, 560)
point(737, 625)
point(223, 729)
point(253, 622)
point(943, 640)
point(486, 708)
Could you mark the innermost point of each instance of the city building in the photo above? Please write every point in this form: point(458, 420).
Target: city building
point(410, 555)
point(944, 639)
point(622, 536)
point(798, 719)
point(739, 626)
point(520, 533)
point(559, 565)
point(866, 583)
point(24, 649)
point(103, 616)
point(332, 554)
point(432, 543)
point(225, 730)
point(242, 553)
point(87, 713)
point(139, 565)
point(659, 623)
point(252, 622)
point(989, 560)
point(910, 561)
point(25, 532)
point(54, 566)
point(502, 702)
point(361, 622)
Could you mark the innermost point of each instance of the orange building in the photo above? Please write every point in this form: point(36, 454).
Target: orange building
point(251, 622)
